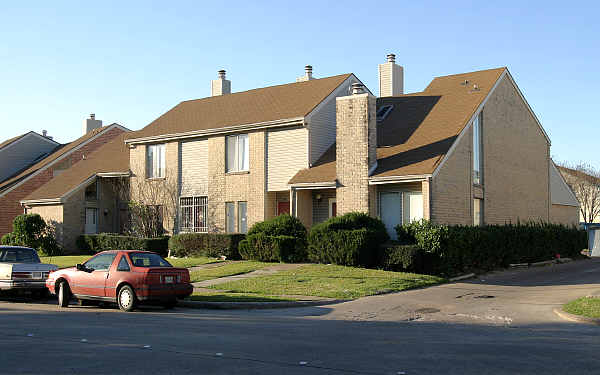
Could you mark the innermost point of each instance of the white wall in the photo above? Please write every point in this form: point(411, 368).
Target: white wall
point(22, 153)
point(321, 122)
point(560, 192)
point(287, 153)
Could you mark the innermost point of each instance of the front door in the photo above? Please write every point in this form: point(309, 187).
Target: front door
point(91, 220)
point(283, 208)
point(391, 211)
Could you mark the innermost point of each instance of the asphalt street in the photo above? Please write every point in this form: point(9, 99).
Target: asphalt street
point(502, 323)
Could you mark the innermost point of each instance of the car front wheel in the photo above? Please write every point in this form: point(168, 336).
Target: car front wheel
point(126, 299)
point(64, 294)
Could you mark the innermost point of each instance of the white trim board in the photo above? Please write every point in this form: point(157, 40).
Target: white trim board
point(398, 179)
point(108, 128)
point(217, 131)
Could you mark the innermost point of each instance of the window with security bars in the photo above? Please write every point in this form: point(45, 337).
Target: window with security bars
point(194, 213)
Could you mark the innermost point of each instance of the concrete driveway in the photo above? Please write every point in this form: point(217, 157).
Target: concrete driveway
point(520, 296)
point(515, 332)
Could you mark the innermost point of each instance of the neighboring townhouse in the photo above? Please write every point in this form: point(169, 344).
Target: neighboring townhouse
point(20, 152)
point(589, 190)
point(86, 199)
point(467, 150)
point(19, 185)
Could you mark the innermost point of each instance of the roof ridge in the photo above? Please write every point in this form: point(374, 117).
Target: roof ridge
point(474, 71)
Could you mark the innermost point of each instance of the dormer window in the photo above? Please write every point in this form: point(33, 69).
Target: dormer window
point(383, 111)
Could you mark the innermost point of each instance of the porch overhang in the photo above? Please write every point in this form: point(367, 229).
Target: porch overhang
point(398, 179)
point(313, 185)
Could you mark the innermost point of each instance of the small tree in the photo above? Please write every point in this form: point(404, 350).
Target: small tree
point(584, 180)
point(31, 230)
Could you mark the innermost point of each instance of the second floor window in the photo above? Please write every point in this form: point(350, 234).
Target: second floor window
point(237, 150)
point(155, 161)
point(477, 150)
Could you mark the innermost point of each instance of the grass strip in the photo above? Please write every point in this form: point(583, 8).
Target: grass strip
point(228, 269)
point(586, 306)
point(330, 281)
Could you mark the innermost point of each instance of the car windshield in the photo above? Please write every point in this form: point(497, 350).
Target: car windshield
point(148, 260)
point(18, 255)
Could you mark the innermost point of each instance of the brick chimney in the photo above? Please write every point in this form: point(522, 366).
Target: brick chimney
point(356, 149)
point(220, 86)
point(91, 124)
point(391, 77)
point(307, 74)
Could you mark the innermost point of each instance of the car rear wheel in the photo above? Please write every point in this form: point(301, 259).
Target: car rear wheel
point(126, 299)
point(64, 294)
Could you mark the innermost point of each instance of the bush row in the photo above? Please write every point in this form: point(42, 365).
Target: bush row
point(206, 244)
point(94, 243)
point(457, 249)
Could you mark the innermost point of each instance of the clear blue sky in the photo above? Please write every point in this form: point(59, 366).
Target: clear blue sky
point(130, 63)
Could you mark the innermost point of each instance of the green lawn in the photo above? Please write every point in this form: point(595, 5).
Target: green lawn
point(72, 260)
point(66, 261)
point(235, 297)
point(586, 306)
point(228, 269)
point(330, 281)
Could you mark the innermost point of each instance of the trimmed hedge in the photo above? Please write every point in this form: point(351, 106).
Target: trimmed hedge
point(281, 239)
point(206, 244)
point(95, 243)
point(267, 248)
point(406, 258)
point(349, 240)
point(464, 248)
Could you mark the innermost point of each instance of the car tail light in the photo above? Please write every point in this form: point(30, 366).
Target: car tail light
point(21, 275)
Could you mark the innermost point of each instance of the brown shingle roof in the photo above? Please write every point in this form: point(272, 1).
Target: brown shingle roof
point(421, 128)
point(272, 103)
point(112, 157)
point(50, 158)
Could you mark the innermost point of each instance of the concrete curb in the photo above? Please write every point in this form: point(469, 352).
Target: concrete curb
point(576, 318)
point(255, 305)
point(462, 277)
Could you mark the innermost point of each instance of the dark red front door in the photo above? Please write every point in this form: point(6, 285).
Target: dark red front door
point(283, 208)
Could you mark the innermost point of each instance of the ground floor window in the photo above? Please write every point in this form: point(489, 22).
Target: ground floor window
point(242, 219)
point(399, 207)
point(194, 214)
point(477, 211)
point(332, 207)
point(230, 217)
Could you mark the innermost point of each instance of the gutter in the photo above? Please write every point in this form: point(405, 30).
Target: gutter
point(216, 131)
point(398, 179)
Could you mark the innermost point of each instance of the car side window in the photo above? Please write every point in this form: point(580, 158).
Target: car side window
point(101, 262)
point(123, 265)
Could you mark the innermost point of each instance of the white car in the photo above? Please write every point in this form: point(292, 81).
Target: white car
point(21, 269)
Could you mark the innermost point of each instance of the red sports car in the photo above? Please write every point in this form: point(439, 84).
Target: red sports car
point(126, 277)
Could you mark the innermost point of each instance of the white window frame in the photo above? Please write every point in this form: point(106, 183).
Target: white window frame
point(193, 214)
point(230, 209)
point(477, 154)
point(240, 153)
point(330, 203)
point(241, 219)
point(155, 161)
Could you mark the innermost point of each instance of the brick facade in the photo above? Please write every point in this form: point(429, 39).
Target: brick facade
point(356, 136)
point(567, 215)
point(9, 202)
point(515, 167)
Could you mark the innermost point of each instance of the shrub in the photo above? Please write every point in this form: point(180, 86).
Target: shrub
point(282, 225)
point(94, 243)
point(267, 248)
point(351, 240)
point(465, 248)
point(206, 244)
point(407, 258)
point(281, 239)
point(31, 230)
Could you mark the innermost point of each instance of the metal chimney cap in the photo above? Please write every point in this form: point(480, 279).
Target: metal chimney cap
point(45, 133)
point(391, 58)
point(357, 88)
point(308, 68)
point(92, 116)
point(221, 73)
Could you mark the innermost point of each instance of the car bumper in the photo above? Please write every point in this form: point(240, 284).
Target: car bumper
point(164, 292)
point(22, 284)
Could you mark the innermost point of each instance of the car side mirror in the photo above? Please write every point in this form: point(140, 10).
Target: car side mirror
point(81, 267)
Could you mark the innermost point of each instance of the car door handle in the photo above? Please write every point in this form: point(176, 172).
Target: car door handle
point(107, 275)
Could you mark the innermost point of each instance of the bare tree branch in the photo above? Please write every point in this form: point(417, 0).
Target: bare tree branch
point(584, 180)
